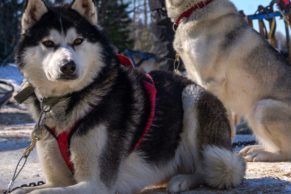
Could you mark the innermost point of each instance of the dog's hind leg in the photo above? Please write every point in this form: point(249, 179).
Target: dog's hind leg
point(188, 153)
point(271, 123)
point(190, 176)
point(208, 137)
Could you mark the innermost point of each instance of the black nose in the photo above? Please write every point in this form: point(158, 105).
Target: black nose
point(68, 68)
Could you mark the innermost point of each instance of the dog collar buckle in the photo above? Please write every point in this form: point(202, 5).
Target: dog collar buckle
point(26, 91)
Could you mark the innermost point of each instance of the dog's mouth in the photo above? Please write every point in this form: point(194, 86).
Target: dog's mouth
point(61, 77)
point(67, 77)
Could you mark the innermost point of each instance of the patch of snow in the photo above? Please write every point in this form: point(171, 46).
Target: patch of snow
point(13, 144)
point(3, 140)
point(11, 74)
point(288, 188)
point(30, 173)
point(244, 138)
point(15, 137)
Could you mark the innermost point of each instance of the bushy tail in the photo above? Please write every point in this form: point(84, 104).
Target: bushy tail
point(223, 168)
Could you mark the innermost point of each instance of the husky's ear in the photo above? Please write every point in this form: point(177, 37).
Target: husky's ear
point(33, 11)
point(87, 9)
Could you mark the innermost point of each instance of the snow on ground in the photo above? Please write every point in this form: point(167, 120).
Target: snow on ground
point(12, 74)
point(16, 125)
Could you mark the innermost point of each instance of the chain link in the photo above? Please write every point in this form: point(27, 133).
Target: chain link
point(35, 136)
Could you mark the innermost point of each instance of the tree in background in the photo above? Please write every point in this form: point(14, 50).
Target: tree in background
point(141, 32)
point(114, 18)
point(10, 11)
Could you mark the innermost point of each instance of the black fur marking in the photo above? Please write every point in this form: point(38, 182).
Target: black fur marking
point(97, 84)
point(116, 112)
point(214, 128)
point(161, 142)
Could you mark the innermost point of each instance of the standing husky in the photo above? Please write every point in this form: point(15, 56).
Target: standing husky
point(232, 61)
point(103, 109)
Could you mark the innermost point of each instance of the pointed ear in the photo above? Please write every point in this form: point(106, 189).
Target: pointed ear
point(33, 11)
point(87, 9)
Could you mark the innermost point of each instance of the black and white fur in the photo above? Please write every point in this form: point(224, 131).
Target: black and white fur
point(188, 143)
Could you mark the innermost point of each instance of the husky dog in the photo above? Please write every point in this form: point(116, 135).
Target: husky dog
point(228, 58)
point(104, 109)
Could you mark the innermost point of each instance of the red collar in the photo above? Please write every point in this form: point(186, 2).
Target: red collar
point(189, 11)
point(64, 138)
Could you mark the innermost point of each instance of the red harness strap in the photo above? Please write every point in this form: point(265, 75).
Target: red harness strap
point(63, 138)
point(124, 60)
point(286, 2)
point(152, 94)
point(189, 11)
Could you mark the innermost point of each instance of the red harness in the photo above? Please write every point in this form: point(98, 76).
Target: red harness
point(189, 11)
point(63, 138)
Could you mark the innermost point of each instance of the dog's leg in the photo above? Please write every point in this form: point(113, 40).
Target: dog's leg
point(56, 172)
point(30, 189)
point(259, 153)
point(87, 187)
point(271, 122)
point(191, 161)
point(86, 151)
point(182, 183)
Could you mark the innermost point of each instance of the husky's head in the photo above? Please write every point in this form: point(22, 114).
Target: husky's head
point(176, 7)
point(61, 48)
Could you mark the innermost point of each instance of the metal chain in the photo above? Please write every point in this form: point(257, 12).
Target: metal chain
point(17, 172)
point(32, 184)
point(35, 136)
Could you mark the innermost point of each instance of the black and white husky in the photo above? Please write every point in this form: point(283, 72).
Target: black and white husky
point(115, 129)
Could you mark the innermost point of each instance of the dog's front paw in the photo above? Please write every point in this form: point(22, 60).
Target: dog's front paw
point(257, 153)
point(182, 183)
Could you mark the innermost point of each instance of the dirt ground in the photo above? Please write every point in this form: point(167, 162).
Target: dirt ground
point(15, 128)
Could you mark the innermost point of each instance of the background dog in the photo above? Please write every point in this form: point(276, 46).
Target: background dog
point(223, 54)
point(103, 108)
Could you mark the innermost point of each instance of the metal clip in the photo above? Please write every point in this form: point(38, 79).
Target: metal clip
point(34, 139)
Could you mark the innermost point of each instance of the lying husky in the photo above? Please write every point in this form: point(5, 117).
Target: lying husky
point(112, 128)
point(232, 61)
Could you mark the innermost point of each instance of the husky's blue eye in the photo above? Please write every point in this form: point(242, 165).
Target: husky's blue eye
point(78, 41)
point(48, 44)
